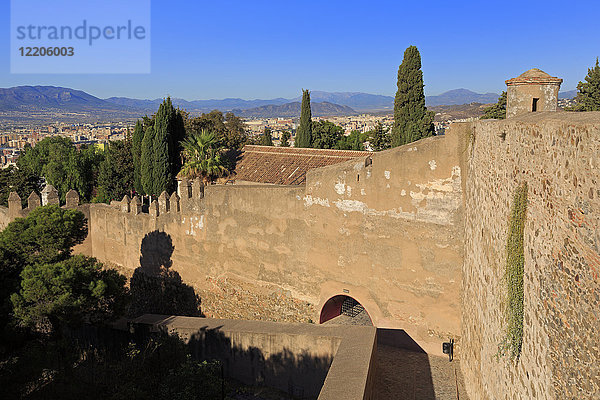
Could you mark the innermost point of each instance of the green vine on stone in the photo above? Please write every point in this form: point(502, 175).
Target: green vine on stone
point(515, 262)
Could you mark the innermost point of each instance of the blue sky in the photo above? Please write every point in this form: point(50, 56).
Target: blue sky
point(266, 49)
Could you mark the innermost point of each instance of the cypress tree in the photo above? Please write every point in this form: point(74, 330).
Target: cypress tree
point(162, 149)
point(304, 133)
point(177, 136)
point(160, 155)
point(136, 152)
point(412, 121)
point(146, 159)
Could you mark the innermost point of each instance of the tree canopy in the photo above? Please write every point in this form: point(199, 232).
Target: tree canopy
point(266, 138)
point(379, 138)
point(412, 121)
point(46, 235)
point(354, 141)
point(116, 177)
point(22, 181)
point(68, 292)
point(588, 92)
point(62, 165)
point(229, 129)
point(285, 139)
point(326, 134)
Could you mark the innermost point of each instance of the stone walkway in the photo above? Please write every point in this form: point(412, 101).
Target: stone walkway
point(406, 374)
point(360, 319)
point(404, 371)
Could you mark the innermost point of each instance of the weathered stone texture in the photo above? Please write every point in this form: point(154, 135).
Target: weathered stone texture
point(72, 199)
point(34, 201)
point(558, 155)
point(14, 204)
point(50, 195)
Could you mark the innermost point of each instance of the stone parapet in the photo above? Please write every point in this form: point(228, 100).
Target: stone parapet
point(50, 195)
point(34, 201)
point(72, 199)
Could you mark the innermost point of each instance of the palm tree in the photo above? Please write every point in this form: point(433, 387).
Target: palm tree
point(203, 158)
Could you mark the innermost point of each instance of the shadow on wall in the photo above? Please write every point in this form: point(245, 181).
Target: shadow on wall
point(301, 375)
point(157, 289)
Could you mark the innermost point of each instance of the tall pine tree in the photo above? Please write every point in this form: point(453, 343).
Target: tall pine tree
point(304, 133)
point(136, 152)
point(412, 121)
point(588, 92)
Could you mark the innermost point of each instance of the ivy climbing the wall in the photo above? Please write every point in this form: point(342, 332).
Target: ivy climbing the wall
point(515, 260)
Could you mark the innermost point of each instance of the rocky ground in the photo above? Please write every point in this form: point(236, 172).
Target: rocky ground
point(229, 298)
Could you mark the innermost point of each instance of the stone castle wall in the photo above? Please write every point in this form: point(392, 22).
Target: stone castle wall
point(557, 155)
point(416, 234)
point(385, 230)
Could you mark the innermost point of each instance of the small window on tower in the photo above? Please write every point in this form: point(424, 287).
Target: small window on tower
point(534, 105)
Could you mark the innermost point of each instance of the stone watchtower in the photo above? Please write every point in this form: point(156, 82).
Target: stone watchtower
point(532, 91)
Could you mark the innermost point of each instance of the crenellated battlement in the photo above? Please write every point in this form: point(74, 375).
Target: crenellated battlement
point(186, 199)
point(49, 195)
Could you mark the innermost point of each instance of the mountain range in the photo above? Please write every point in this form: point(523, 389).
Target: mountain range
point(292, 109)
point(50, 97)
point(360, 102)
point(25, 102)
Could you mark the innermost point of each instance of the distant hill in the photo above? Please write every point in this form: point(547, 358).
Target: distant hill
point(196, 105)
point(458, 111)
point(49, 97)
point(460, 96)
point(356, 100)
point(569, 94)
point(293, 110)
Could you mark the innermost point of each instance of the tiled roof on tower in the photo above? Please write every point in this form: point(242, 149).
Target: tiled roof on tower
point(534, 76)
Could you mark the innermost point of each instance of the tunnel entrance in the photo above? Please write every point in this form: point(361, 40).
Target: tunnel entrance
point(344, 310)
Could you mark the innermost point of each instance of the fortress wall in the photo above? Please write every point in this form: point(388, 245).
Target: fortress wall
point(86, 246)
point(388, 234)
point(557, 155)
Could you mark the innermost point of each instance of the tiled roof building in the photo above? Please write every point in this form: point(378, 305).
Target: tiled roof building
point(286, 165)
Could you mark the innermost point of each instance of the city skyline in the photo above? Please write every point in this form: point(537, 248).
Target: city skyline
point(264, 50)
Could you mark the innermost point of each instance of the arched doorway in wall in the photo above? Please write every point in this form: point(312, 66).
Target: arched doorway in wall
point(344, 310)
